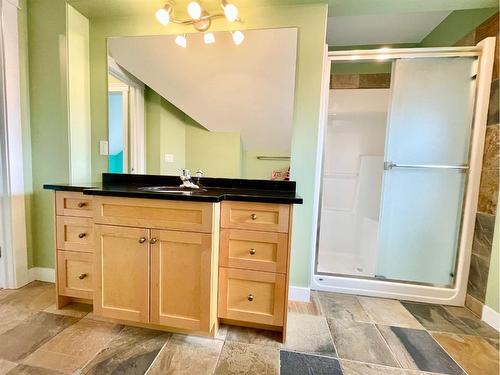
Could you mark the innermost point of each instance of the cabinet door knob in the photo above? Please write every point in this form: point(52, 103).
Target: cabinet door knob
point(154, 240)
point(253, 216)
point(142, 239)
point(250, 297)
point(81, 235)
point(252, 251)
point(82, 276)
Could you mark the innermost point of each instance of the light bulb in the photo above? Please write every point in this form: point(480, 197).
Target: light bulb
point(231, 12)
point(194, 10)
point(209, 38)
point(238, 37)
point(181, 41)
point(163, 15)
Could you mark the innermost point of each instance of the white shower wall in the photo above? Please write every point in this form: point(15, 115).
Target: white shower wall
point(352, 181)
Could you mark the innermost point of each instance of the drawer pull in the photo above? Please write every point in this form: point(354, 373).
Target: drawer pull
point(252, 251)
point(81, 204)
point(153, 240)
point(81, 235)
point(142, 239)
point(250, 297)
point(82, 276)
point(253, 216)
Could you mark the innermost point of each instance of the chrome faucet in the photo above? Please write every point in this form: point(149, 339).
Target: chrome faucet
point(186, 179)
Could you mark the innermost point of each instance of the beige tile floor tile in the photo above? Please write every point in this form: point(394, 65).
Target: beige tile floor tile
point(388, 312)
point(11, 316)
point(248, 359)
point(29, 335)
point(309, 334)
point(5, 366)
point(342, 306)
point(254, 336)
point(74, 346)
point(30, 370)
point(35, 296)
point(187, 355)
point(472, 353)
point(360, 342)
point(76, 310)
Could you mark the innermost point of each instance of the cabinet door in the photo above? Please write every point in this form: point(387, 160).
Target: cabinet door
point(181, 264)
point(122, 273)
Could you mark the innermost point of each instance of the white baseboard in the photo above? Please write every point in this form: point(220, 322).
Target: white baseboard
point(299, 294)
point(42, 274)
point(491, 317)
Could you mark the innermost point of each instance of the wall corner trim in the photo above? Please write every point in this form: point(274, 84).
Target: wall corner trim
point(299, 294)
point(491, 317)
point(42, 274)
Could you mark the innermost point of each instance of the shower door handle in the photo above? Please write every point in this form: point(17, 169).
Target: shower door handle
point(388, 165)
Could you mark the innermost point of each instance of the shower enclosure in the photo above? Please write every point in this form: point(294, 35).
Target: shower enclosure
point(400, 174)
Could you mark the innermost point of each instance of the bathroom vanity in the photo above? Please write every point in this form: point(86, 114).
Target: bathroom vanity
point(181, 261)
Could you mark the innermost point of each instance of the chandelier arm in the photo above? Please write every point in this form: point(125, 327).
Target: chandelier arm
point(190, 21)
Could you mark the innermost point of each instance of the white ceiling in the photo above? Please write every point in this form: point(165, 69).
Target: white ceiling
point(226, 88)
point(382, 28)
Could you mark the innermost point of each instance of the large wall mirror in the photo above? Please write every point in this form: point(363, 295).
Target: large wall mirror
point(221, 108)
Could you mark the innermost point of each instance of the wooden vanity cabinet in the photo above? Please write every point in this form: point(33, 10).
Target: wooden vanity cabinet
point(176, 265)
point(156, 262)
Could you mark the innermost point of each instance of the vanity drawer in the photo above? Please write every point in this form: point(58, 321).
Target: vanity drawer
point(70, 203)
point(75, 234)
point(255, 216)
point(154, 213)
point(74, 274)
point(251, 296)
point(260, 251)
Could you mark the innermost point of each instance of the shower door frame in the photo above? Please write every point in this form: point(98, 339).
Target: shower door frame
point(454, 295)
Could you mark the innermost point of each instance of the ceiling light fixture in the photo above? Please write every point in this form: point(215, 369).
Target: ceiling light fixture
point(201, 20)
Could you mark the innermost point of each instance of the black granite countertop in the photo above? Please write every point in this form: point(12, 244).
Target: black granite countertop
point(213, 189)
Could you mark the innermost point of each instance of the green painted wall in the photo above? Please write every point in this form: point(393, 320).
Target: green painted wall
point(217, 154)
point(25, 122)
point(492, 290)
point(165, 134)
point(49, 118)
point(262, 169)
point(311, 22)
point(458, 24)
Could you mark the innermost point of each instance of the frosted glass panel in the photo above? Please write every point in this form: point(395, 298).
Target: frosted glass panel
point(419, 228)
point(429, 125)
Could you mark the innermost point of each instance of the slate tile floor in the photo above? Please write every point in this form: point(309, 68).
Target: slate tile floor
point(334, 334)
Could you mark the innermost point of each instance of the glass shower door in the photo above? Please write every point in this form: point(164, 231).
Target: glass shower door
point(425, 169)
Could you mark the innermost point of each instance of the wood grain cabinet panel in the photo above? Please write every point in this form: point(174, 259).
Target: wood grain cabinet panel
point(255, 216)
point(252, 296)
point(260, 251)
point(181, 279)
point(74, 274)
point(75, 234)
point(121, 272)
point(154, 213)
point(71, 203)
